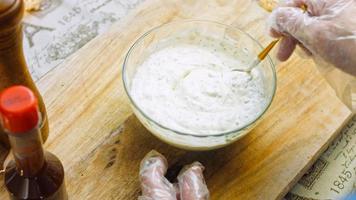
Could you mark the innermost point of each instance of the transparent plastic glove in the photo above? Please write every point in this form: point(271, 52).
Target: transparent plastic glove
point(327, 30)
point(191, 183)
point(190, 186)
point(153, 183)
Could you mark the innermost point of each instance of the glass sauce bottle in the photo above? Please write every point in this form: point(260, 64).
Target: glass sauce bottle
point(34, 173)
point(13, 67)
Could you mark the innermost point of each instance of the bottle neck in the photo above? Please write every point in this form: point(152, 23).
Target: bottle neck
point(28, 152)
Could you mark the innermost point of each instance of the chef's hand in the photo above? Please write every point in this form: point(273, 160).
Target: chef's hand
point(191, 184)
point(153, 183)
point(327, 30)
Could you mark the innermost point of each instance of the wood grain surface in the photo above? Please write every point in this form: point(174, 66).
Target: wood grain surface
point(101, 143)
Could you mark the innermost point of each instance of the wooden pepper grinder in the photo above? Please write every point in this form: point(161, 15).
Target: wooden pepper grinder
point(13, 67)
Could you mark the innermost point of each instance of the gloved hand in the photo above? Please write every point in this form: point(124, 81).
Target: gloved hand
point(153, 183)
point(327, 30)
point(191, 184)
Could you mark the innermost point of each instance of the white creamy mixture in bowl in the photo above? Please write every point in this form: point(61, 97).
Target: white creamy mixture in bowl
point(182, 88)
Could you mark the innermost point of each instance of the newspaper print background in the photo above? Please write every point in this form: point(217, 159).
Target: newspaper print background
point(333, 175)
point(62, 27)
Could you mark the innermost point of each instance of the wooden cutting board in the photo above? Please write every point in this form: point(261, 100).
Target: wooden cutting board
point(101, 143)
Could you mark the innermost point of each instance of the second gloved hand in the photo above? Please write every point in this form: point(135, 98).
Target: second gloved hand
point(191, 184)
point(327, 30)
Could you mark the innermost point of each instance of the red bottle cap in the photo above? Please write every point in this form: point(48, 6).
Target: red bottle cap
point(19, 109)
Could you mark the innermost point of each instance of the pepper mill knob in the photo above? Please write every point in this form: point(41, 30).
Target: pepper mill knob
point(11, 13)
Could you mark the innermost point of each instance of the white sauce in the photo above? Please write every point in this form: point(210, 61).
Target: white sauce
point(190, 88)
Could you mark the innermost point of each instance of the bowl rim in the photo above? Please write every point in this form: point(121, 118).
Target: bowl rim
point(237, 130)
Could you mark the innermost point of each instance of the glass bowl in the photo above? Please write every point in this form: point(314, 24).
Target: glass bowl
point(247, 49)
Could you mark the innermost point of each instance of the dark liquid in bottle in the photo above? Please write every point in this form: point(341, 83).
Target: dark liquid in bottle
point(47, 184)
